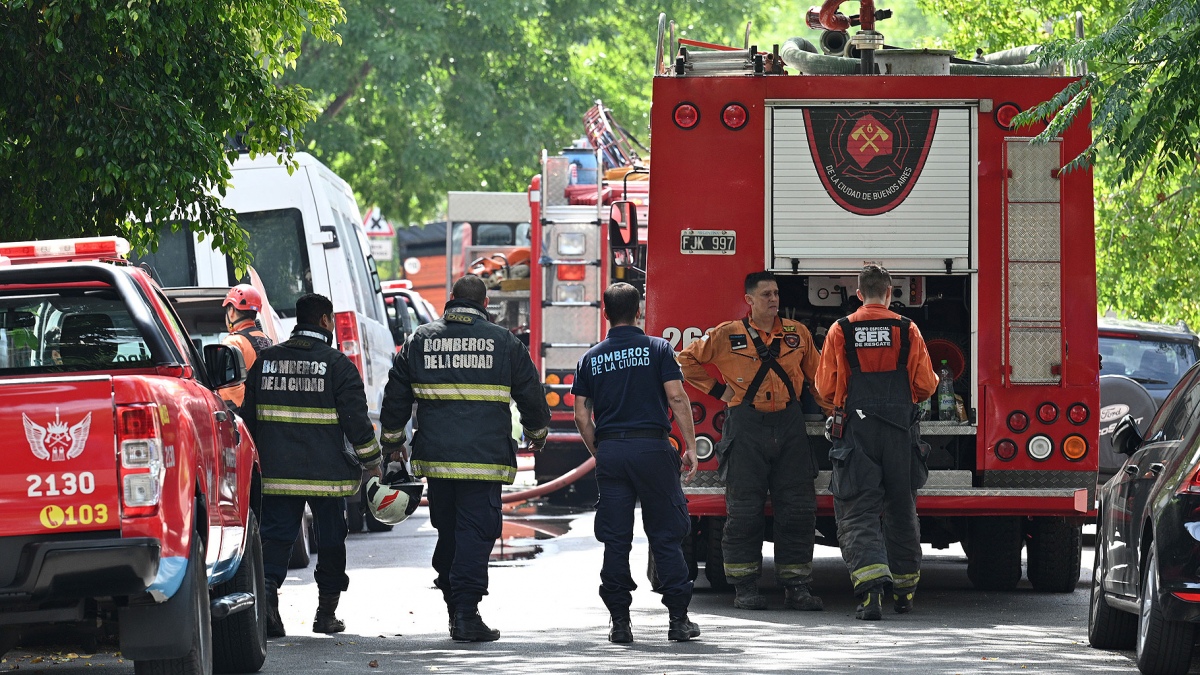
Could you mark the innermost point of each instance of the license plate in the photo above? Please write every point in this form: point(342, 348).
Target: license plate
point(708, 242)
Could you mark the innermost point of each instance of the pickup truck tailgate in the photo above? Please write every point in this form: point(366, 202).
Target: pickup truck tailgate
point(59, 471)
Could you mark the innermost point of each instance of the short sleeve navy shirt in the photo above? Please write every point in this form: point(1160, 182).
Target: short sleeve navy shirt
point(624, 376)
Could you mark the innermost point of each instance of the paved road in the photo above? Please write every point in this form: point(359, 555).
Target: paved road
point(552, 621)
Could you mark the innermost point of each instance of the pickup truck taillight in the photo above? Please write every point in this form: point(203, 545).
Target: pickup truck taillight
point(348, 341)
point(141, 469)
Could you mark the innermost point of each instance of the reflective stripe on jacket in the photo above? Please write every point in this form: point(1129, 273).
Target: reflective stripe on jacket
point(463, 370)
point(306, 407)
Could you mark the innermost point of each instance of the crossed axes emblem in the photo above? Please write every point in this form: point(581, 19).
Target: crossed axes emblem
point(878, 134)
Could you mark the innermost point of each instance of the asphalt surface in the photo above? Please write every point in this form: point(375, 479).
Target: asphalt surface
point(544, 602)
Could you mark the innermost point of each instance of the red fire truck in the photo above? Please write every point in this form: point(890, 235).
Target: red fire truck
point(991, 248)
point(569, 202)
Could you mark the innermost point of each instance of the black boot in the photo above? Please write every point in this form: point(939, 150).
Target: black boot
point(681, 629)
point(800, 597)
point(469, 627)
point(445, 589)
point(621, 630)
point(274, 621)
point(870, 606)
point(903, 602)
point(746, 595)
point(325, 621)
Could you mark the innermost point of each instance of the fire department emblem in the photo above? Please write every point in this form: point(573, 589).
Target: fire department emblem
point(56, 441)
point(869, 158)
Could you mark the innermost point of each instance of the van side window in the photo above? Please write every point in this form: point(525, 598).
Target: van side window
point(174, 263)
point(356, 262)
point(280, 250)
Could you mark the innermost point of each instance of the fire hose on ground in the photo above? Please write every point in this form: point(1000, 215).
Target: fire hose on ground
point(551, 486)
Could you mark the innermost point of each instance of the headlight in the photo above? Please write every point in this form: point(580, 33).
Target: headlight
point(571, 243)
point(571, 293)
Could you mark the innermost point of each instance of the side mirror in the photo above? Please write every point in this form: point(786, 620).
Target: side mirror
point(225, 365)
point(622, 224)
point(1126, 438)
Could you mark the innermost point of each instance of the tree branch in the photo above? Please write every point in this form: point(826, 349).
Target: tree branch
point(344, 97)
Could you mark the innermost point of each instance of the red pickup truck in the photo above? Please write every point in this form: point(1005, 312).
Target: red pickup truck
point(128, 491)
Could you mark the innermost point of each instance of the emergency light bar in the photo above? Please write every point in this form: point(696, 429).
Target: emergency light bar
point(91, 248)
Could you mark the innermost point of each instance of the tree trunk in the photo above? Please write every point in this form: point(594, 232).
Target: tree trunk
point(342, 98)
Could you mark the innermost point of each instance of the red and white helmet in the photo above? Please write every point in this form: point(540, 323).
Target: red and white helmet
point(394, 498)
point(244, 297)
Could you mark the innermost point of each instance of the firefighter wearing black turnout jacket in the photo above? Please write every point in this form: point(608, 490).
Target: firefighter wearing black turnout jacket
point(463, 370)
point(304, 401)
point(765, 361)
point(875, 368)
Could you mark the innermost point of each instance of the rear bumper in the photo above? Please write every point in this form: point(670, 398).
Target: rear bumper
point(51, 571)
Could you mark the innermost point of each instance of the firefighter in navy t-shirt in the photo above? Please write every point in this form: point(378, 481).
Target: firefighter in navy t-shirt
point(623, 388)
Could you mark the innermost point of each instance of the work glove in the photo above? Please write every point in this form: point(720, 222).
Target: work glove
point(829, 429)
point(537, 438)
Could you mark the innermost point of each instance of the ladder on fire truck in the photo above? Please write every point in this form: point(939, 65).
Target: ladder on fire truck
point(572, 269)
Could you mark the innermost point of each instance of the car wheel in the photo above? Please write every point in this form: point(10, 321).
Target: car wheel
point(994, 555)
point(1108, 628)
point(240, 641)
point(199, 659)
point(1163, 647)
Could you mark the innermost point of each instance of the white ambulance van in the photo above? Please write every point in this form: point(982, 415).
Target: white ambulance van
point(306, 235)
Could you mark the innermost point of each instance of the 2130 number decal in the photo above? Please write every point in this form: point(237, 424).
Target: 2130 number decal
point(61, 484)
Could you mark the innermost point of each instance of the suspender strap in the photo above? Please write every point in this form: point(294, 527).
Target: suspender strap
point(258, 340)
point(903, 323)
point(769, 358)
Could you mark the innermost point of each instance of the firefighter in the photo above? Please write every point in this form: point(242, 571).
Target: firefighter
point(242, 305)
point(464, 370)
point(623, 388)
point(765, 361)
point(304, 401)
point(875, 368)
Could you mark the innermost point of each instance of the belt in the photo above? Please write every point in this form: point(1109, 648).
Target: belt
point(636, 433)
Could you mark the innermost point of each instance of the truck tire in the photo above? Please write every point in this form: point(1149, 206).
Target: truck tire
point(714, 562)
point(240, 640)
point(689, 558)
point(1164, 647)
point(1054, 549)
point(1108, 628)
point(199, 659)
point(994, 554)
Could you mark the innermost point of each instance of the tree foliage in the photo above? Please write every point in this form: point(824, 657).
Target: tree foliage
point(426, 96)
point(114, 112)
point(1144, 89)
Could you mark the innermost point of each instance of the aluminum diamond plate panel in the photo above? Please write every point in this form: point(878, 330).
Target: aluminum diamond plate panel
point(1032, 170)
point(555, 177)
point(1032, 352)
point(496, 207)
point(1034, 292)
point(1033, 232)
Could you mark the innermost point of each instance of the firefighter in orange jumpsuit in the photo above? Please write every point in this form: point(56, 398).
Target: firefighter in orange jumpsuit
point(242, 305)
point(876, 368)
point(765, 361)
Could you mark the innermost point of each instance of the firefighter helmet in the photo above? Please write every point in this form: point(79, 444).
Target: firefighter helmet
point(393, 498)
point(244, 297)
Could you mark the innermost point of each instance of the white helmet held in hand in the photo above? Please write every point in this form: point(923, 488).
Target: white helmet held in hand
point(394, 498)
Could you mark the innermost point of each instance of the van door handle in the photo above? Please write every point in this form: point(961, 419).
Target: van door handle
point(221, 416)
point(1157, 467)
point(1132, 469)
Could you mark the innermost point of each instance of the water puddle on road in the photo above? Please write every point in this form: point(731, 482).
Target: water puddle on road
point(525, 524)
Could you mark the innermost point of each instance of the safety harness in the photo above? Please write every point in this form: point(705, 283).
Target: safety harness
point(769, 356)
